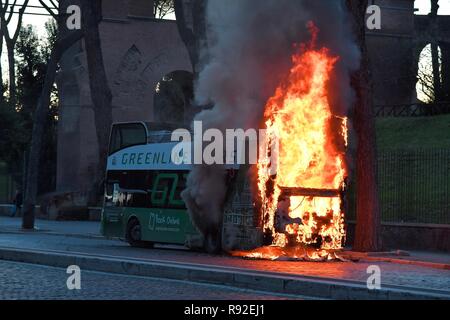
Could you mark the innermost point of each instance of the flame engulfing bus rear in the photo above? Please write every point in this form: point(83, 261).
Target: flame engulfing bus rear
point(301, 206)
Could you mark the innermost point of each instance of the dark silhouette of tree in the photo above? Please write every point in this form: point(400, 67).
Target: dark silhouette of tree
point(32, 55)
point(13, 137)
point(64, 40)
point(436, 61)
point(445, 47)
point(368, 220)
point(6, 14)
point(100, 92)
point(191, 22)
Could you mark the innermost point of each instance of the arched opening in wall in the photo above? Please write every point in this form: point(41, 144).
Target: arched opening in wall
point(429, 74)
point(173, 97)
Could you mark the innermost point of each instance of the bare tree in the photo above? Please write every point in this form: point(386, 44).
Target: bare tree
point(100, 92)
point(368, 220)
point(65, 39)
point(435, 53)
point(162, 8)
point(6, 14)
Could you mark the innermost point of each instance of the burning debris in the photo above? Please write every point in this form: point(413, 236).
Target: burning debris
point(297, 253)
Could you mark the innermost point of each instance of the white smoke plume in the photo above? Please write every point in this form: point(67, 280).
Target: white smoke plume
point(250, 48)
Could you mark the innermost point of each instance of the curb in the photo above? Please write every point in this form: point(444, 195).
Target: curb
point(255, 280)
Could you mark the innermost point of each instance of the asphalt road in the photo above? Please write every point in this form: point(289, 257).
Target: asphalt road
point(22, 281)
point(392, 274)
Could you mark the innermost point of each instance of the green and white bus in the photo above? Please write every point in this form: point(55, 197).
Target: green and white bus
point(142, 188)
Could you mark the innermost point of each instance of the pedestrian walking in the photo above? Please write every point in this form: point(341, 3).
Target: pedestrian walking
point(18, 201)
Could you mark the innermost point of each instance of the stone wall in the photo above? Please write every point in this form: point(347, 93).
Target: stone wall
point(410, 236)
point(391, 51)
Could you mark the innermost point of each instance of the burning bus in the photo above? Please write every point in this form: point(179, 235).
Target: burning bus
point(296, 211)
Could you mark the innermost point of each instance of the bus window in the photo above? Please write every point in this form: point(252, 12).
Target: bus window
point(145, 189)
point(112, 193)
point(115, 193)
point(127, 135)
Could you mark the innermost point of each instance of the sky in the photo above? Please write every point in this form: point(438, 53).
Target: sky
point(38, 21)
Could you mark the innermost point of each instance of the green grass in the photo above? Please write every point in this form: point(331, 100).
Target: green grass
point(414, 170)
point(413, 133)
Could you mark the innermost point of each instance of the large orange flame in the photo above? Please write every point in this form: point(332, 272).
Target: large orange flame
point(312, 143)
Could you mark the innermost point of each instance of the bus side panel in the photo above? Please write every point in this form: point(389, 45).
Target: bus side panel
point(113, 224)
point(162, 225)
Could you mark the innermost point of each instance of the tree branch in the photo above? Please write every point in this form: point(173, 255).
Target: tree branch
point(11, 11)
point(49, 10)
point(19, 22)
point(54, 4)
point(4, 8)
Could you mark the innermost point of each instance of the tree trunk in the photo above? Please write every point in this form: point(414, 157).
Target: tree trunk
point(11, 43)
point(186, 32)
point(368, 220)
point(100, 92)
point(39, 121)
point(436, 63)
point(194, 36)
point(12, 73)
point(200, 32)
point(435, 59)
point(445, 47)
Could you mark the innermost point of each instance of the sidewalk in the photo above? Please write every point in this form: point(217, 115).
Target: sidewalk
point(85, 229)
point(91, 229)
point(79, 242)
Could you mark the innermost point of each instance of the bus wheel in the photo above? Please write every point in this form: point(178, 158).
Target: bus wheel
point(134, 235)
point(212, 243)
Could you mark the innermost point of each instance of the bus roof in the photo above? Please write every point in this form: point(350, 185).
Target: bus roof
point(159, 126)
